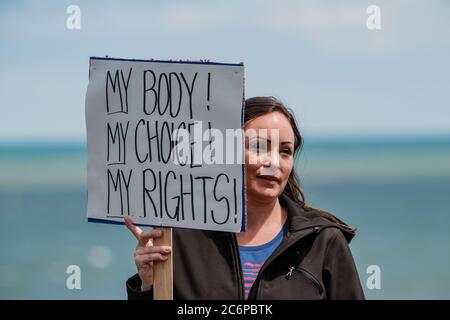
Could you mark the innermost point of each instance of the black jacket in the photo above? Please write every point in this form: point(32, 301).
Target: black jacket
point(312, 262)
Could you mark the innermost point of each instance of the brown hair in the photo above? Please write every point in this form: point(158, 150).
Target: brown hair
point(258, 106)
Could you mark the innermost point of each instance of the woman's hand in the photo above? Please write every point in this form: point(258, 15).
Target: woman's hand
point(146, 253)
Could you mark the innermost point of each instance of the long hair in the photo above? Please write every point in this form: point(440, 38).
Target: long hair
point(259, 106)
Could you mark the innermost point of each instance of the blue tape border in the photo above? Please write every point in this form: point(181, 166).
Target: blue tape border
point(167, 61)
point(104, 221)
point(244, 198)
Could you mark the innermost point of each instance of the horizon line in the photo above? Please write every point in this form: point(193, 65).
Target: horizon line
point(313, 139)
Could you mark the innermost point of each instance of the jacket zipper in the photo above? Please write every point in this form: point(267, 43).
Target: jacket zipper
point(257, 293)
point(308, 275)
point(237, 259)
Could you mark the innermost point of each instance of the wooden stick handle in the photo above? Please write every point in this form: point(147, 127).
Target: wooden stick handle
point(163, 270)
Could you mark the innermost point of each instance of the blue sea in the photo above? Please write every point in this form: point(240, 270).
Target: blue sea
point(395, 191)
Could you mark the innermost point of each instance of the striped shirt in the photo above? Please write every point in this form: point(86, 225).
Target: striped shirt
point(253, 257)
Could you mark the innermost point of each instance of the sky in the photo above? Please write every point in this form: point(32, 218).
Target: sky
point(319, 57)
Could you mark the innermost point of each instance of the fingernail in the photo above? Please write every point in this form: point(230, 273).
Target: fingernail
point(158, 232)
point(166, 249)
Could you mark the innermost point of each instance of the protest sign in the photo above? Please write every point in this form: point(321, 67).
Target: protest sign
point(165, 143)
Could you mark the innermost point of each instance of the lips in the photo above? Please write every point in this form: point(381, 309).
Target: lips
point(269, 178)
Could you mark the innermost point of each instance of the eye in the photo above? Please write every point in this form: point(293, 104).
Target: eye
point(258, 145)
point(286, 151)
point(253, 145)
point(262, 145)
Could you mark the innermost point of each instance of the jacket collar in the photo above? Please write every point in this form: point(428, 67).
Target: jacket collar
point(301, 218)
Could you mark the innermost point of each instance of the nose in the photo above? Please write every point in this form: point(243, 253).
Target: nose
point(271, 162)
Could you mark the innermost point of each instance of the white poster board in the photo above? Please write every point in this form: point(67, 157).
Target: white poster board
point(151, 155)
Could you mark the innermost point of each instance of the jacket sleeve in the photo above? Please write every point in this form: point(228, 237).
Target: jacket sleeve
point(134, 289)
point(339, 273)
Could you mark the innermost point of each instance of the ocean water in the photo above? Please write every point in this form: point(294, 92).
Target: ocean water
point(396, 192)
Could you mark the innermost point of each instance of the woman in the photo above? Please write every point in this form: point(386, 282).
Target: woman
point(288, 251)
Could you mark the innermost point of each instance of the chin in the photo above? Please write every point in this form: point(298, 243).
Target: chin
point(266, 193)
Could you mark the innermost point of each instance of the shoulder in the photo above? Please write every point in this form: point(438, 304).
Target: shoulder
point(304, 216)
point(334, 227)
point(334, 237)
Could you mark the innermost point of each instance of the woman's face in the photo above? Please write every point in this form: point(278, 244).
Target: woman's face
point(269, 155)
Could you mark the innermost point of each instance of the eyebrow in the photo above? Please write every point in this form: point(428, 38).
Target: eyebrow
point(269, 141)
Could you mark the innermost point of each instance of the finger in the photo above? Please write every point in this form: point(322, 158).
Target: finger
point(136, 231)
point(157, 249)
point(146, 258)
point(145, 236)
